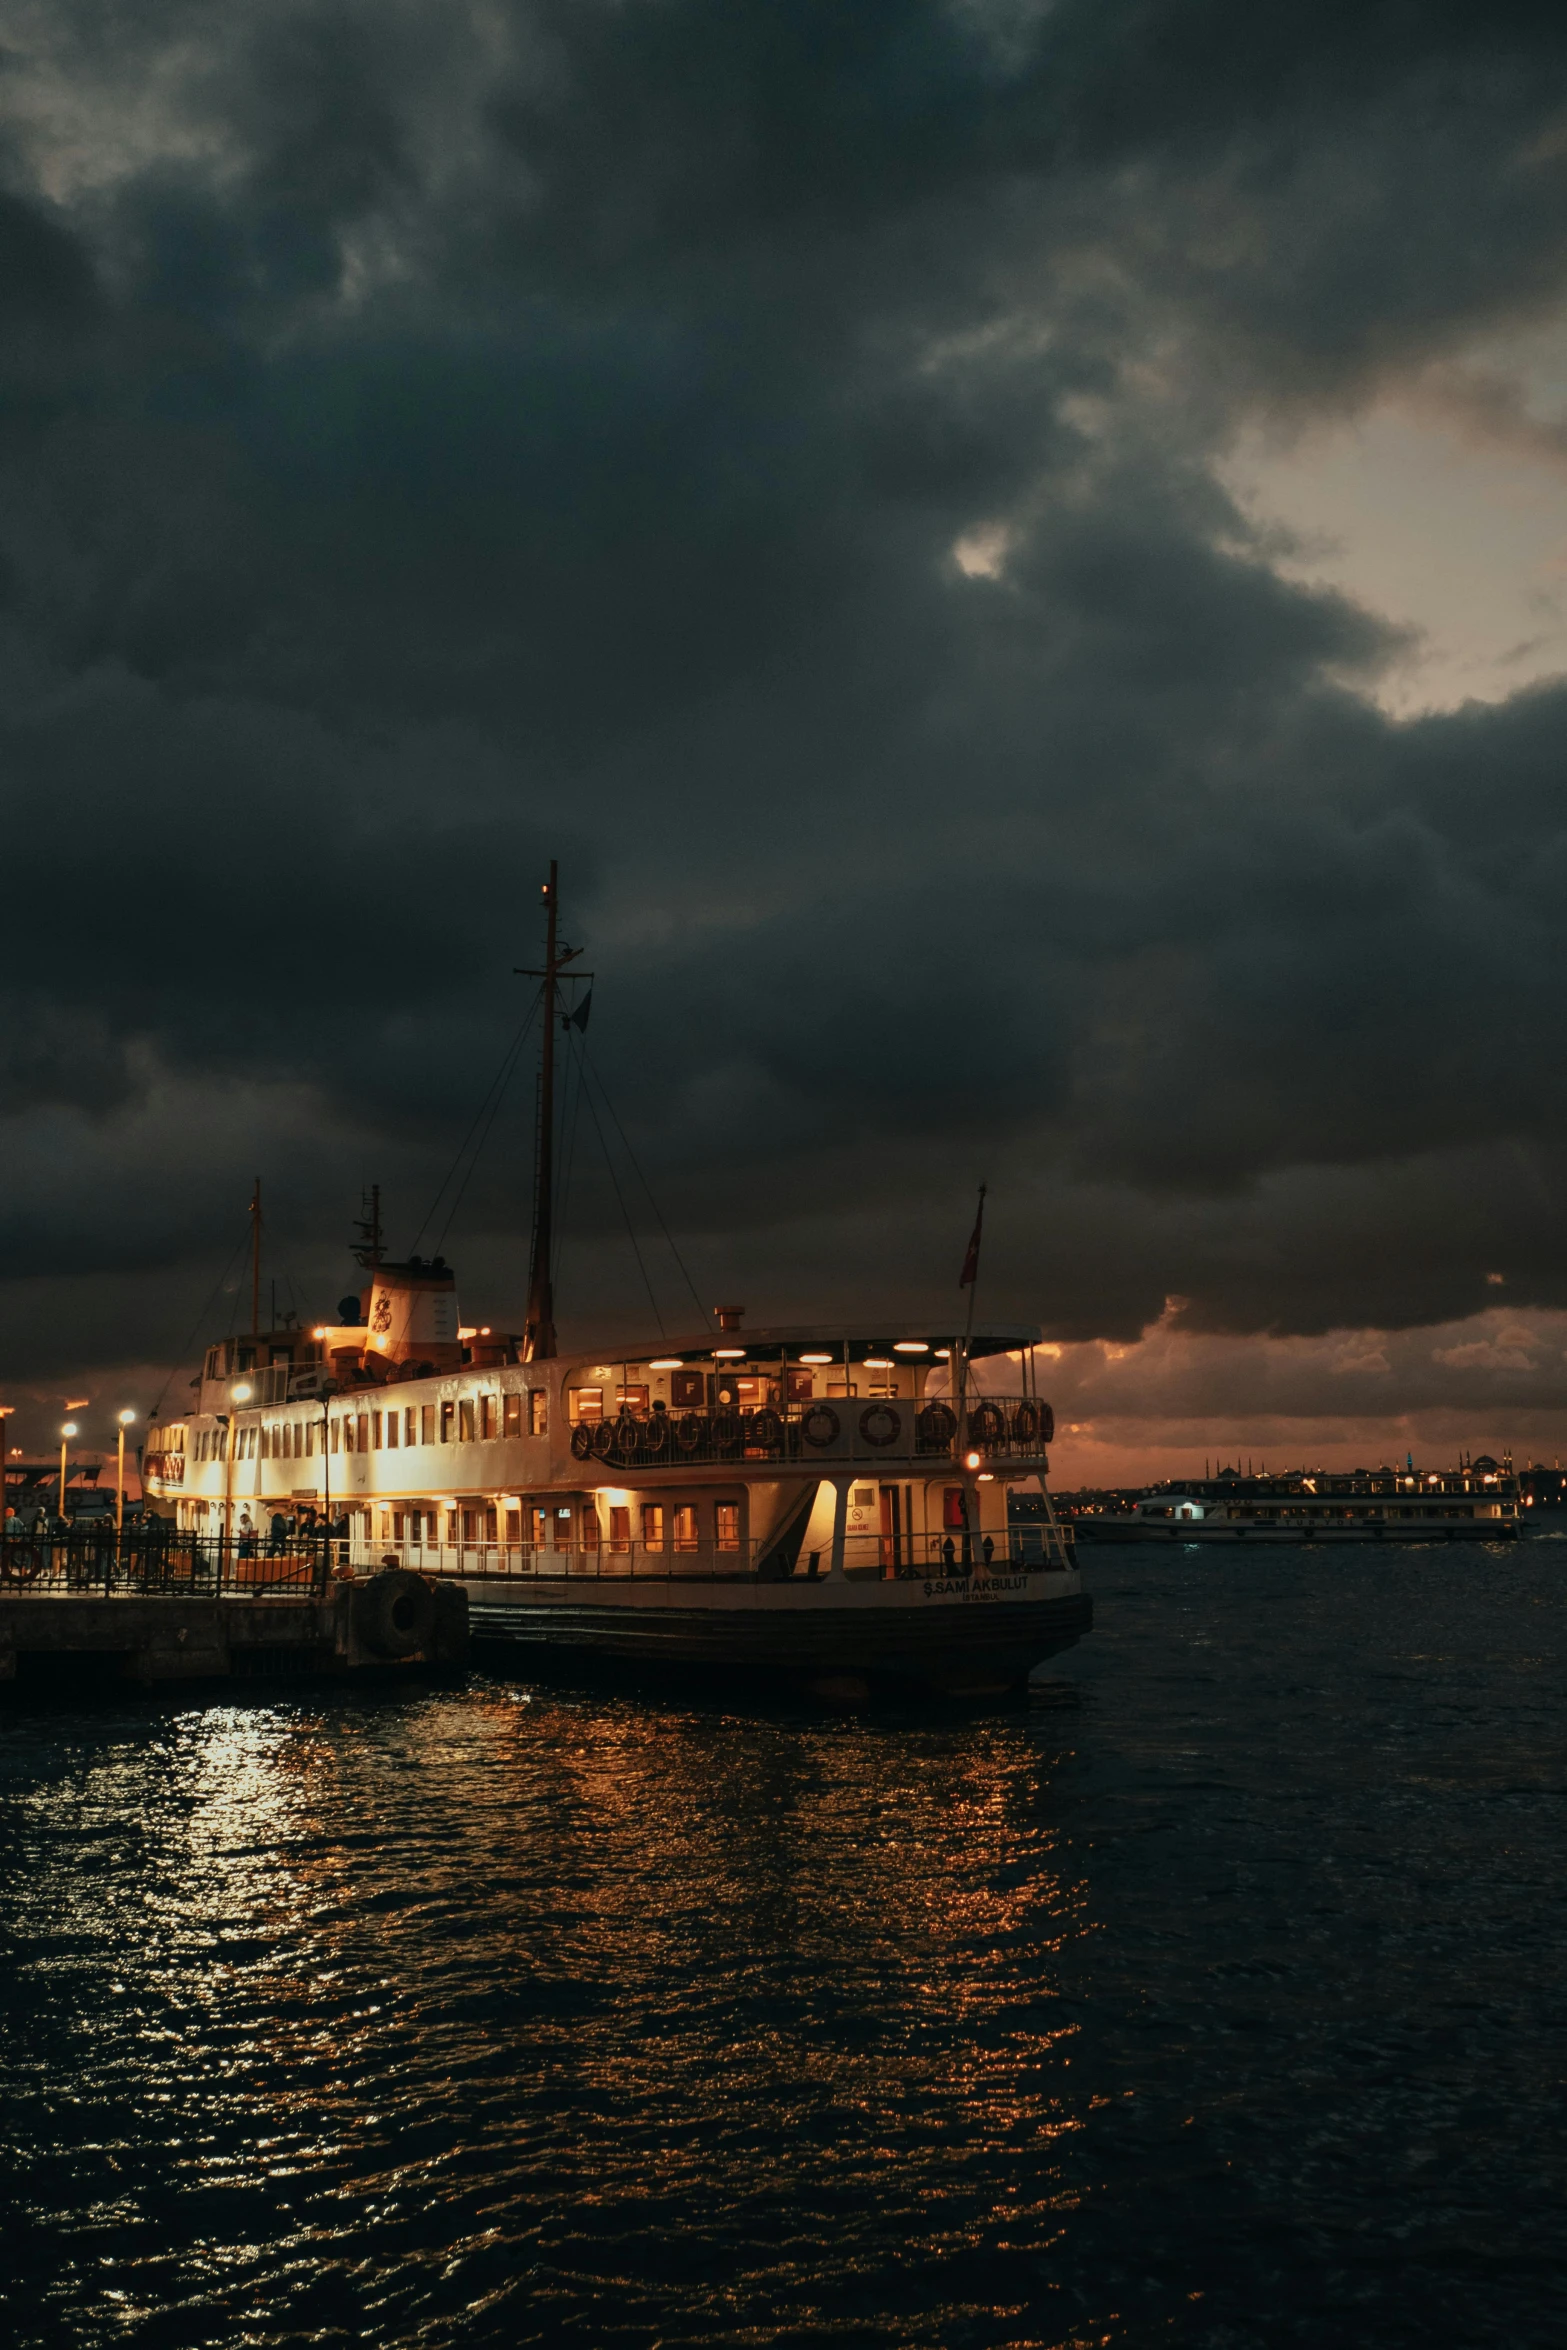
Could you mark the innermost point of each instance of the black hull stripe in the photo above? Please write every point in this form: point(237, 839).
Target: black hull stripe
point(1007, 1638)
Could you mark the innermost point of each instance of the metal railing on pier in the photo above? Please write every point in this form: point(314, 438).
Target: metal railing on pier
point(157, 1557)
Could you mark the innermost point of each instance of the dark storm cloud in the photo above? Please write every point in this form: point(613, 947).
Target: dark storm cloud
point(766, 455)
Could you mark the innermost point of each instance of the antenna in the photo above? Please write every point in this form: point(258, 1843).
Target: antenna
point(255, 1260)
point(368, 1247)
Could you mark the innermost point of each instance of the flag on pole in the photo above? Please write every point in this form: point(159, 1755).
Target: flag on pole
point(579, 1018)
point(970, 1272)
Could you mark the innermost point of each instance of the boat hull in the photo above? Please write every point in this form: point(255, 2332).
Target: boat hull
point(958, 1634)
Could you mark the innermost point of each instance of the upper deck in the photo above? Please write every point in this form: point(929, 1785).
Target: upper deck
point(766, 1404)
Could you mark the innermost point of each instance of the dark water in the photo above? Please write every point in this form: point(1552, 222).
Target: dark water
point(1215, 2001)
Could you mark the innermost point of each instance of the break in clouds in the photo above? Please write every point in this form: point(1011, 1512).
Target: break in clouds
point(772, 457)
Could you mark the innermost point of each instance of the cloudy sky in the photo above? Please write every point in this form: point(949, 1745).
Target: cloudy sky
point(1015, 553)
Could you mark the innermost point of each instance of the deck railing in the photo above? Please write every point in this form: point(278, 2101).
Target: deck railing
point(866, 1558)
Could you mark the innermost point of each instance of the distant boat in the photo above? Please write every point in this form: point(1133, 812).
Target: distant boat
point(1476, 1503)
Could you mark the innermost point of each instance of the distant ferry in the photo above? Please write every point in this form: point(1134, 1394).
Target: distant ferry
point(826, 1500)
point(1476, 1502)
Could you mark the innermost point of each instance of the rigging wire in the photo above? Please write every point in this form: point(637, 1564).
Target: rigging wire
point(497, 1087)
point(630, 1230)
point(478, 1150)
point(212, 1297)
point(572, 1119)
point(704, 1311)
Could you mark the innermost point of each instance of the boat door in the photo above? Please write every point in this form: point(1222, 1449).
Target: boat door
point(891, 1529)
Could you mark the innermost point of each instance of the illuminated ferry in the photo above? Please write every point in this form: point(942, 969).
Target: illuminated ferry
point(827, 1502)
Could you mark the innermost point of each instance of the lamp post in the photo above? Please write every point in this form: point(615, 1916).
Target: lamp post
point(125, 1419)
point(240, 1395)
point(66, 1433)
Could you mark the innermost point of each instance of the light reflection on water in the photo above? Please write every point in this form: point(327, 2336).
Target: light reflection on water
point(1213, 2002)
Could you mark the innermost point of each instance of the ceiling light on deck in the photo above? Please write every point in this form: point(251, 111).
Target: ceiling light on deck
point(911, 1346)
point(729, 1354)
point(816, 1358)
point(879, 1363)
point(667, 1363)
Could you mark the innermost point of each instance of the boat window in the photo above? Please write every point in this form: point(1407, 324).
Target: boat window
point(837, 1387)
point(563, 1528)
point(619, 1527)
point(513, 1415)
point(952, 1507)
point(465, 1421)
point(393, 1428)
point(538, 1412)
point(514, 1526)
point(375, 1430)
point(633, 1398)
point(427, 1423)
point(652, 1525)
point(348, 1432)
point(683, 1530)
point(582, 1403)
point(489, 1415)
point(726, 1524)
point(364, 1431)
point(590, 1527)
point(541, 1521)
point(470, 1525)
point(448, 1415)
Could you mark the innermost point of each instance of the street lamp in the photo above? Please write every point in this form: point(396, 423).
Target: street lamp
point(66, 1433)
point(125, 1419)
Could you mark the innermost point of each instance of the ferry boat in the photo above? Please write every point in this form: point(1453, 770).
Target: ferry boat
point(826, 1502)
point(1477, 1502)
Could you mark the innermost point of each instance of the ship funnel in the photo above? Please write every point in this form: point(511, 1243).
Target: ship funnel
point(413, 1313)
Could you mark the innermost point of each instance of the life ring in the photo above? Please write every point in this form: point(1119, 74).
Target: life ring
point(726, 1431)
point(690, 1429)
point(987, 1424)
point(23, 1563)
point(582, 1441)
point(1047, 1424)
point(1025, 1422)
point(625, 1436)
point(821, 1426)
point(880, 1425)
point(937, 1425)
point(766, 1429)
point(603, 1439)
point(654, 1433)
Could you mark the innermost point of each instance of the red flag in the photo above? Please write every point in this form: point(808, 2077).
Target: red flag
point(970, 1272)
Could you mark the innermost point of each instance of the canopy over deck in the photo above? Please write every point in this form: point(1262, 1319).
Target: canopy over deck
point(910, 1343)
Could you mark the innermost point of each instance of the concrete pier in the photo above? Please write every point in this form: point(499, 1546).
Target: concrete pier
point(346, 1628)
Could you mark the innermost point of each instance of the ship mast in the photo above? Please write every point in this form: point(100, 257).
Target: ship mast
point(538, 1339)
point(538, 1333)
